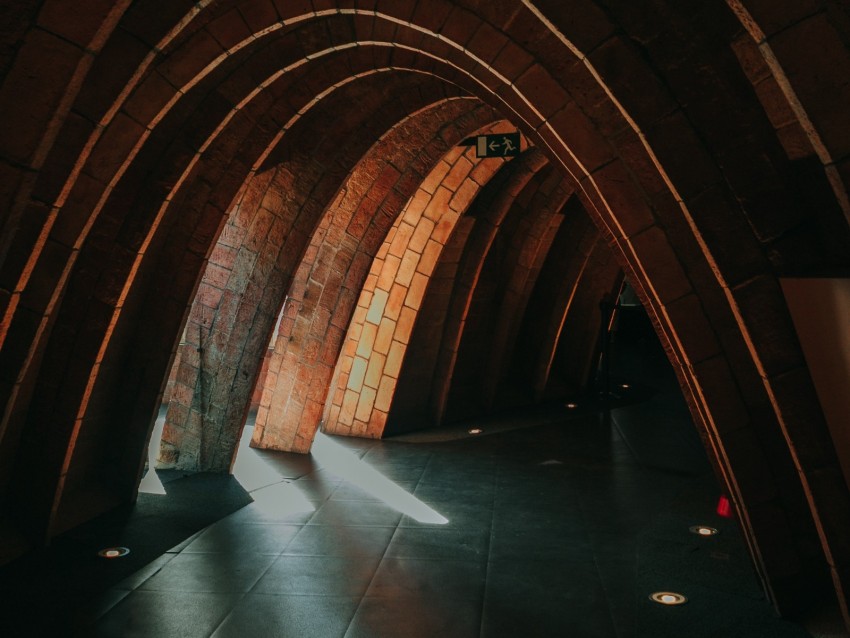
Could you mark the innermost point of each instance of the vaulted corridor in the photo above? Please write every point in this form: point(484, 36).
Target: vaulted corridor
point(267, 219)
point(543, 525)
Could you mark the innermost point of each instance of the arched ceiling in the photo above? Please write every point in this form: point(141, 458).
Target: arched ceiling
point(707, 142)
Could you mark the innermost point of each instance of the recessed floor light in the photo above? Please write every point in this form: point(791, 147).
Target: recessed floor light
point(703, 530)
point(113, 552)
point(625, 386)
point(572, 406)
point(475, 431)
point(668, 598)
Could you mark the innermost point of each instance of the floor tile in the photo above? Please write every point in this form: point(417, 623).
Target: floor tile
point(430, 543)
point(348, 492)
point(279, 503)
point(144, 614)
point(574, 581)
point(519, 544)
point(348, 513)
point(318, 576)
point(542, 618)
point(277, 616)
point(107, 600)
point(210, 573)
point(419, 617)
point(463, 516)
point(137, 578)
point(553, 530)
point(249, 538)
point(470, 493)
point(420, 578)
point(331, 540)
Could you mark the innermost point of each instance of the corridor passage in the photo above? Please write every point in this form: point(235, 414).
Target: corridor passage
point(549, 529)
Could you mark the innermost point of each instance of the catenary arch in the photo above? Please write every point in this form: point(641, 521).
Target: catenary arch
point(494, 207)
point(669, 247)
point(355, 213)
point(539, 221)
point(208, 208)
point(428, 367)
point(328, 280)
point(208, 230)
point(487, 289)
point(376, 341)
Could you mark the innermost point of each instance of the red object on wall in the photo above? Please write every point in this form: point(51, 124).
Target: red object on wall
point(724, 507)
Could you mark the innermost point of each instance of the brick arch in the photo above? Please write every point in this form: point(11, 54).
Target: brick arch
point(73, 45)
point(563, 311)
point(374, 348)
point(98, 367)
point(718, 286)
point(650, 160)
point(323, 294)
point(98, 91)
point(788, 89)
point(577, 267)
point(507, 259)
point(122, 135)
point(190, 262)
point(532, 241)
point(494, 206)
point(242, 294)
point(429, 361)
point(80, 457)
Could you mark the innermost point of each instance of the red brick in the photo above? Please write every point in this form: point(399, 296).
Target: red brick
point(816, 62)
point(486, 42)
point(772, 18)
point(407, 268)
point(622, 67)
point(44, 64)
point(512, 61)
point(394, 359)
point(384, 397)
point(460, 26)
point(229, 29)
point(367, 340)
point(259, 14)
point(463, 196)
point(401, 239)
point(542, 90)
point(185, 63)
point(692, 327)
point(374, 370)
point(439, 204)
point(629, 206)
point(444, 227)
point(404, 328)
point(459, 171)
point(661, 264)
point(365, 403)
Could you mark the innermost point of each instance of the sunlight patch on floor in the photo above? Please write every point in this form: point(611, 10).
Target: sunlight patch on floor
point(348, 466)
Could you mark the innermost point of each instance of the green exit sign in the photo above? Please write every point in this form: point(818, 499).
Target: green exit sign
point(494, 145)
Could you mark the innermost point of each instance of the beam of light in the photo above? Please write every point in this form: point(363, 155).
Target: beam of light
point(250, 469)
point(346, 465)
point(281, 499)
point(151, 483)
point(272, 494)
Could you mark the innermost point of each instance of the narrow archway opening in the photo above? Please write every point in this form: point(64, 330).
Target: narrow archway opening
point(657, 425)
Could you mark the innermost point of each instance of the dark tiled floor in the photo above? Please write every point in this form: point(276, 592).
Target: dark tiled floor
point(552, 530)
